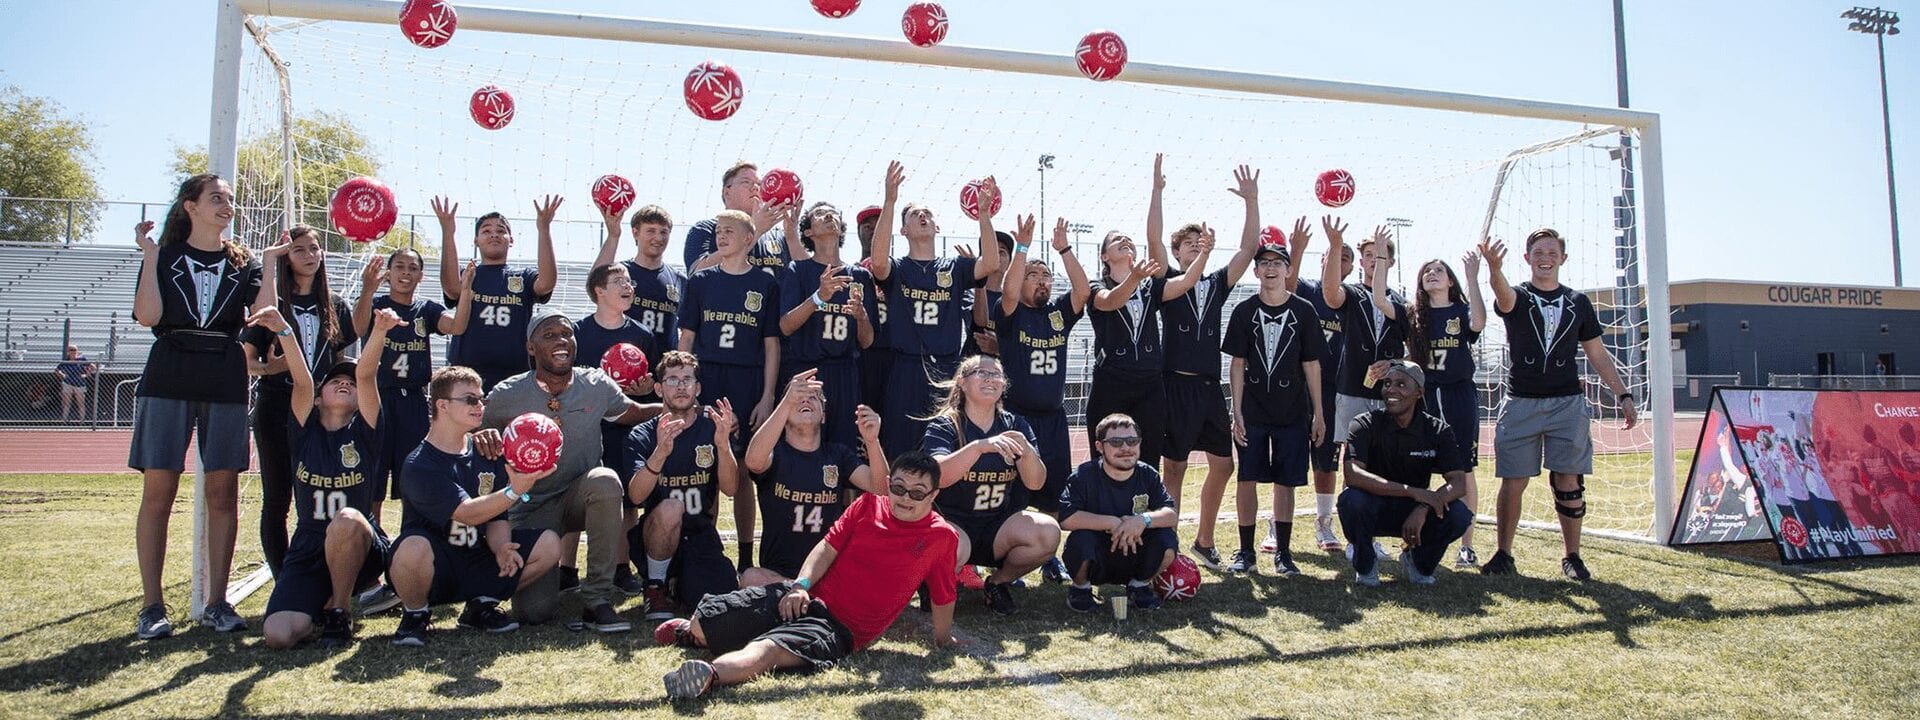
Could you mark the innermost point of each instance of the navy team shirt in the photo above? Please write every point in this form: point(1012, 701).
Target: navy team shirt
point(1193, 326)
point(991, 489)
point(406, 360)
point(592, 341)
point(496, 336)
point(1450, 339)
point(730, 314)
point(656, 305)
point(690, 474)
point(1091, 489)
point(1033, 352)
point(927, 304)
point(799, 498)
point(768, 253)
point(434, 483)
point(1127, 341)
point(829, 335)
point(1330, 329)
point(334, 469)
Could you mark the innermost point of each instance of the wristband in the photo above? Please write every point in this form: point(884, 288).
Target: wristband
point(1019, 249)
point(514, 496)
point(817, 302)
point(803, 584)
point(1146, 520)
point(1623, 397)
point(651, 470)
point(1068, 250)
point(285, 332)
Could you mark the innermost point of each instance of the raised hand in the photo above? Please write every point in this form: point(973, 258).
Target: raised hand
point(724, 421)
point(545, 208)
point(1248, 181)
point(374, 274)
point(803, 384)
point(1301, 235)
point(963, 251)
point(386, 319)
point(143, 235)
point(1470, 267)
point(1495, 253)
point(896, 175)
point(466, 276)
point(612, 220)
point(1381, 234)
point(279, 247)
point(1159, 178)
point(1336, 229)
point(268, 317)
point(1060, 241)
point(989, 189)
point(868, 423)
point(669, 429)
point(445, 209)
point(1145, 268)
point(832, 280)
point(1023, 230)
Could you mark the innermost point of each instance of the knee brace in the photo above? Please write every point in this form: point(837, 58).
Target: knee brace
point(1576, 495)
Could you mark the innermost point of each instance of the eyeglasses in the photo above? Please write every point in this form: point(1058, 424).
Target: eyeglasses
point(1270, 262)
point(678, 382)
point(1128, 441)
point(468, 400)
point(987, 374)
point(902, 490)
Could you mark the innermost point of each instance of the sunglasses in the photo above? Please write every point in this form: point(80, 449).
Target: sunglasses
point(468, 400)
point(902, 490)
point(1128, 441)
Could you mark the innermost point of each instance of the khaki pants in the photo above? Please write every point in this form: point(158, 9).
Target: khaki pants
point(593, 504)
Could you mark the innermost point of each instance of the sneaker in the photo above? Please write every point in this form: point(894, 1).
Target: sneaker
point(677, 632)
point(1500, 564)
point(413, 628)
point(691, 680)
point(602, 618)
point(625, 581)
point(1081, 599)
point(221, 617)
point(1271, 543)
point(153, 623)
point(1411, 572)
point(485, 614)
point(336, 628)
point(1054, 571)
point(969, 578)
point(1371, 579)
point(1243, 562)
point(377, 600)
point(1283, 565)
point(1142, 597)
point(1208, 557)
point(654, 596)
point(569, 579)
point(1000, 598)
point(1323, 534)
point(1467, 560)
point(1572, 567)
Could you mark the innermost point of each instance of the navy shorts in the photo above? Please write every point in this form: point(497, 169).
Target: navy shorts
point(304, 582)
point(784, 560)
point(1275, 454)
point(840, 384)
point(162, 427)
point(980, 532)
point(1056, 451)
point(1459, 405)
point(462, 574)
point(1196, 417)
point(741, 385)
point(698, 569)
point(911, 392)
point(1106, 567)
point(403, 425)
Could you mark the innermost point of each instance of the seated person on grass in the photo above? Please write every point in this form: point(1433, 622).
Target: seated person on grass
point(682, 462)
point(1392, 455)
point(1119, 519)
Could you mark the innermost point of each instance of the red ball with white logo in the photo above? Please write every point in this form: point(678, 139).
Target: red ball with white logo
point(713, 91)
point(532, 443)
point(428, 23)
point(625, 363)
point(924, 24)
point(970, 201)
point(780, 185)
point(1334, 188)
point(1101, 55)
point(363, 209)
point(1273, 235)
point(613, 194)
point(492, 108)
point(1180, 581)
point(836, 8)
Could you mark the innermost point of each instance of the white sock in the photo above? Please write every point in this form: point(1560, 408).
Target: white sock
point(418, 609)
point(1323, 504)
point(1136, 583)
point(1083, 586)
point(657, 569)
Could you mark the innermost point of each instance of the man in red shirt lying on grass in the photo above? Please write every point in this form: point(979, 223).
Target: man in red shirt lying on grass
point(852, 586)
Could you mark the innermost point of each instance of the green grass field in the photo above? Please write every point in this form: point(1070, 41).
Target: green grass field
point(1660, 633)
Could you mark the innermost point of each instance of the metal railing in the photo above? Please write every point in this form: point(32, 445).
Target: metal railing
point(1844, 382)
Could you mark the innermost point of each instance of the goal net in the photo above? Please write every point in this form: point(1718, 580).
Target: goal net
point(586, 107)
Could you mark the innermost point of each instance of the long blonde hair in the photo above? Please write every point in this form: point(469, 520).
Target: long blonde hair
point(954, 406)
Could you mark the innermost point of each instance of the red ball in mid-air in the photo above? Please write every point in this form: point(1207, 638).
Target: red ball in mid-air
point(532, 443)
point(780, 185)
point(1273, 235)
point(970, 201)
point(836, 8)
point(613, 194)
point(1180, 581)
point(491, 107)
point(363, 209)
point(924, 24)
point(714, 91)
point(1101, 55)
point(428, 23)
point(1334, 188)
point(625, 363)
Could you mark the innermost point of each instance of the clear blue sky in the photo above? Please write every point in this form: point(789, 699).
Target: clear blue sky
point(1770, 107)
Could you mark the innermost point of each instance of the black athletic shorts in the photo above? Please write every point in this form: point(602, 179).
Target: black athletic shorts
point(1196, 417)
point(1326, 455)
point(981, 533)
point(462, 573)
point(304, 581)
point(699, 567)
point(731, 620)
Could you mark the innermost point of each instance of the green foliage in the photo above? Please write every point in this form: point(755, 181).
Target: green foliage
point(44, 154)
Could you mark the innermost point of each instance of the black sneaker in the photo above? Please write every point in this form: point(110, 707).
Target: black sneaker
point(1500, 564)
point(1243, 562)
point(1000, 598)
point(1208, 557)
point(153, 623)
point(221, 617)
point(378, 600)
point(689, 681)
point(1283, 564)
point(413, 628)
point(1054, 571)
point(569, 579)
point(336, 628)
point(602, 618)
point(654, 596)
point(1081, 599)
point(1572, 567)
point(1142, 597)
point(485, 614)
point(625, 581)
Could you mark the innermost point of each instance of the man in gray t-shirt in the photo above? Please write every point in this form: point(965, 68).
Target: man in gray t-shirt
point(579, 495)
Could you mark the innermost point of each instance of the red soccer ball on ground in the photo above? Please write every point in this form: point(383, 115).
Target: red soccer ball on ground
point(363, 209)
point(532, 443)
point(1273, 235)
point(924, 24)
point(714, 91)
point(836, 8)
point(1101, 55)
point(1180, 581)
point(492, 108)
point(970, 201)
point(428, 23)
point(780, 185)
point(612, 193)
point(625, 363)
point(1334, 188)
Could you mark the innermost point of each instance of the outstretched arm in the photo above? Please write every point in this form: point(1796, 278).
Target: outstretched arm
point(882, 265)
point(1079, 288)
point(444, 210)
point(989, 257)
point(1330, 288)
point(1476, 305)
point(366, 371)
point(1156, 245)
point(1191, 274)
point(1495, 253)
point(1297, 242)
point(549, 270)
point(1013, 282)
point(1248, 181)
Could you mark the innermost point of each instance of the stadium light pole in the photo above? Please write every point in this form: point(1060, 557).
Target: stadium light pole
point(1078, 229)
point(1399, 271)
point(1881, 23)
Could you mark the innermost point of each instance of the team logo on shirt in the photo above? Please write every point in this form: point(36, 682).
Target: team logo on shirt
point(516, 284)
point(944, 278)
point(420, 326)
point(1059, 323)
point(703, 456)
point(830, 476)
point(486, 483)
point(349, 456)
point(673, 292)
point(1140, 504)
point(753, 301)
point(1453, 326)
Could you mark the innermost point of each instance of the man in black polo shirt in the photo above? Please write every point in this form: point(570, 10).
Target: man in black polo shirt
point(1392, 456)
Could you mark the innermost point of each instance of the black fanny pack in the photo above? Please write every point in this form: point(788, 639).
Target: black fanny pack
point(199, 342)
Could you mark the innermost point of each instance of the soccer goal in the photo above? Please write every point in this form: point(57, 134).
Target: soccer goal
point(598, 95)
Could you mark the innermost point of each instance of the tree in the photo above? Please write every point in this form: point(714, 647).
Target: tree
point(44, 154)
point(330, 151)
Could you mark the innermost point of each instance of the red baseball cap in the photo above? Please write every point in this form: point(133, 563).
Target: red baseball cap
point(872, 211)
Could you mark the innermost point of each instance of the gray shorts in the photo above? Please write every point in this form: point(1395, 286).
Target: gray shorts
point(1345, 409)
point(1559, 427)
point(163, 426)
